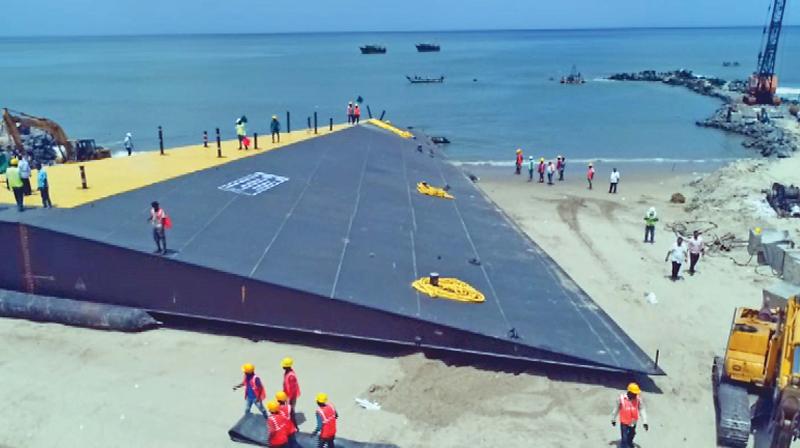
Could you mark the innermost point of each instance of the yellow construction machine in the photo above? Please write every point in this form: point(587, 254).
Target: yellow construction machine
point(74, 151)
point(762, 358)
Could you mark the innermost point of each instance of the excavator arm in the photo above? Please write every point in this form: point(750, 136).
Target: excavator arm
point(51, 127)
point(785, 422)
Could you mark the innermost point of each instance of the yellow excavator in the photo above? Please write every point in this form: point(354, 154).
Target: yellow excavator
point(762, 358)
point(76, 151)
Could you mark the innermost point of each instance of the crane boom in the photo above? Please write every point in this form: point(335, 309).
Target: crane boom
point(764, 83)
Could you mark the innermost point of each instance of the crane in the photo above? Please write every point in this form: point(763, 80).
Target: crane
point(764, 83)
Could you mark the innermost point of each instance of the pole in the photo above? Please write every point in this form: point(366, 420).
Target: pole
point(330, 124)
point(255, 140)
point(382, 115)
point(83, 177)
point(288, 122)
point(308, 120)
point(205, 139)
point(315, 122)
point(657, 358)
point(219, 145)
point(369, 111)
point(161, 140)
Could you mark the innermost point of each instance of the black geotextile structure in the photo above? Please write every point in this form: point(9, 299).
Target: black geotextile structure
point(252, 429)
point(330, 251)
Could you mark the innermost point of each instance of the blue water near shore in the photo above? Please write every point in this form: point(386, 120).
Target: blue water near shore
point(102, 87)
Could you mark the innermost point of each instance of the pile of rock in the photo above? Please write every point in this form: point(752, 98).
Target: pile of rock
point(768, 139)
point(685, 78)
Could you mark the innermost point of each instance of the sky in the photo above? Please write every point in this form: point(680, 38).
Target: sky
point(96, 17)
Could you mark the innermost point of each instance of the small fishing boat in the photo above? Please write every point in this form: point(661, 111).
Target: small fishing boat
point(373, 49)
point(428, 48)
point(574, 77)
point(420, 80)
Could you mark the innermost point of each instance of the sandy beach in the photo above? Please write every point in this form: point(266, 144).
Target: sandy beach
point(65, 387)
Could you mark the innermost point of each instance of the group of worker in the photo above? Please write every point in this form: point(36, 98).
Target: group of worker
point(244, 140)
point(353, 113)
point(18, 180)
point(542, 168)
point(280, 417)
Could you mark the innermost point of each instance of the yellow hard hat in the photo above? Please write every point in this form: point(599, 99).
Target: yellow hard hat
point(634, 388)
point(322, 398)
point(519, 151)
point(287, 362)
point(757, 230)
point(273, 406)
point(281, 396)
point(541, 159)
point(14, 162)
point(248, 368)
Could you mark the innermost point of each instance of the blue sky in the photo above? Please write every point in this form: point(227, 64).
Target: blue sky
point(92, 17)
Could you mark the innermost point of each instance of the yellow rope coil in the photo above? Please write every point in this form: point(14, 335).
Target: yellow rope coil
point(449, 288)
point(424, 188)
point(385, 125)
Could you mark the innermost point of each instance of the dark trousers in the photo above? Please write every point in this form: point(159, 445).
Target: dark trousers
point(326, 443)
point(240, 137)
point(276, 136)
point(160, 237)
point(19, 196)
point(292, 417)
point(519, 169)
point(649, 234)
point(129, 149)
point(561, 174)
point(45, 192)
point(541, 177)
point(530, 175)
point(350, 119)
point(590, 182)
point(676, 269)
point(627, 434)
point(26, 186)
point(356, 119)
point(693, 259)
point(550, 178)
point(612, 187)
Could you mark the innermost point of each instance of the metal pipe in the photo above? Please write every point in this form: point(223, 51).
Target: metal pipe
point(83, 177)
point(382, 115)
point(161, 140)
point(219, 145)
point(369, 111)
point(315, 122)
point(288, 122)
point(205, 139)
point(255, 140)
point(330, 125)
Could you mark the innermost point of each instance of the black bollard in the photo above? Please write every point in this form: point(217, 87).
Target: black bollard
point(255, 140)
point(219, 145)
point(308, 120)
point(205, 139)
point(369, 111)
point(83, 177)
point(315, 122)
point(383, 114)
point(161, 140)
point(330, 124)
point(288, 122)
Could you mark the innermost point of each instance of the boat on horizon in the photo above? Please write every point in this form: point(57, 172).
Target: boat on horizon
point(428, 48)
point(574, 77)
point(373, 49)
point(420, 80)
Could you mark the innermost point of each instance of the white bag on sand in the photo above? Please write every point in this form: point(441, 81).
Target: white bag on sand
point(651, 297)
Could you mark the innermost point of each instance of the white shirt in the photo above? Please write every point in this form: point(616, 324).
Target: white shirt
point(614, 177)
point(695, 245)
point(678, 253)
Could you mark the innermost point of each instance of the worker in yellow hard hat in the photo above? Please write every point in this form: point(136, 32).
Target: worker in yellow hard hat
point(326, 422)
point(15, 183)
point(630, 409)
point(277, 427)
point(254, 392)
point(518, 162)
point(541, 169)
point(287, 410)
point(290, 385)
point(275, 128)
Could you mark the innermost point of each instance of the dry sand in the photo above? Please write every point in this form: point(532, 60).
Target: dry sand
point(67, 387)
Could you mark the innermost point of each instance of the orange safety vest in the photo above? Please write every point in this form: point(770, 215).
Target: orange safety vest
point(519, 159)
point(278, 427)
point(590, 174)
point(357, 111)
point(290, 384)
point(541, 167)
point(628, 410)
point(328, 416)
point(260, 392)
point(286, 411)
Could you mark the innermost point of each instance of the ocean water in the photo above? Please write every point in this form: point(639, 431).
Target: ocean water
point(498, 93)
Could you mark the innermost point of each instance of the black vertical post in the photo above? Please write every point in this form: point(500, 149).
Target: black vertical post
point(205, 139)
point(315, 122)
point(288, 122)
point(219, 145)
point(382, 115)
point(330, 124)
point(657, 353)
point(255, 140)
point(308, 120)
point(83, 177)
point(161, 140)
point(369, 111)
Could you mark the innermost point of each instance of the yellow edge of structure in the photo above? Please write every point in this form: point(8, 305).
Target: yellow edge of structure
point(449, 288)
point(384, 125)
point(425, 188)
point(108, 177)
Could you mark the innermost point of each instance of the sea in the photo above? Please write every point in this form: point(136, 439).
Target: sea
point(501, 89)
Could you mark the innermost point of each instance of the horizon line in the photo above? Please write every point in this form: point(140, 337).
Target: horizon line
point(477, 30)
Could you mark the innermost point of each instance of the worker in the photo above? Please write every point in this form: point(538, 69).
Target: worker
point(696, 249)
point(287, 410)
point(541, 169)
point(561, 165)
point(15, 183)
point(356, 114)
point(590, 175)
point(326, 422)
point(551, 169)
point(254, 392)
point(518, 163)
point(157, 219)
point(290, 384)
point(531, 167)
point(676, 254)
point(25, 175)
point(275, 129)
point(612, 187)
point(650, 220)
point(128, 143)
point(350, 113)
point(241, 131)
point(44, 186)
point(630, 408)
point(277, 426)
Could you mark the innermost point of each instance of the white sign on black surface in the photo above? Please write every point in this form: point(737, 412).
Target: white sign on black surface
point(253, 184)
